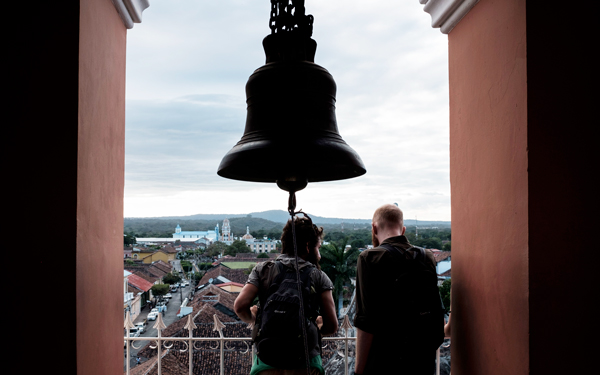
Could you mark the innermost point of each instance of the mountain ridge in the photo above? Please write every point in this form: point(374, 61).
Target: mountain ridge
point(281, 216)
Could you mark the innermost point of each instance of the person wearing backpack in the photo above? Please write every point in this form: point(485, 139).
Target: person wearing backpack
point(399, 312)
point(280, 338)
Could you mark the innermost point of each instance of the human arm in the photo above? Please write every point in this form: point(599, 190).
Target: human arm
point(447, 327)
point(329, 318)
point(364, 319)
point(363, 346)
point(243, 303)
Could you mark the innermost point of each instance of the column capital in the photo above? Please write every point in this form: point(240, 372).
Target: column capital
point(446, 14)
point(130, 11)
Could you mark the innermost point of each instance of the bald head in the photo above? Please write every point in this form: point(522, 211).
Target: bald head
point(388, 221)
point(388, 217)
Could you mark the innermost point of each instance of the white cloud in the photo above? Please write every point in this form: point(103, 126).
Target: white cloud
point(188, 63)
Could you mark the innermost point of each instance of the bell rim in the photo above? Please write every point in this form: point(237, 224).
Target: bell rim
point(317, 160)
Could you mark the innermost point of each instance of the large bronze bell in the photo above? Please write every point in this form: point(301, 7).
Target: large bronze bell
point(291, 135)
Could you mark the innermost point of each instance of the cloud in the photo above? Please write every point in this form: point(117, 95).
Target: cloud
point(188, 63)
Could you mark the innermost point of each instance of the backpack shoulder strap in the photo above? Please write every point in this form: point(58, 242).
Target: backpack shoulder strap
point(280, 273)
point(419, 252)
point(394, 250)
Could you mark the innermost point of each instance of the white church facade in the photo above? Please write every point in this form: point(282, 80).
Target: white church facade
point(225, 235)
point(211, 235)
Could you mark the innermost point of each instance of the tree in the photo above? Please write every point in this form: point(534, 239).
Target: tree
point(358, 243)
point(274, 234)
point(171, 279)
point(216, 248)
point(445, 289)
point(204, 266)
point(186, 265)
point(262, 255)
point(196, 277)
point(129, 239)
point(258, 233)
point(238, 246)
point(447, 246)
point(340, 266)
point(160, 289)
point(428, 243)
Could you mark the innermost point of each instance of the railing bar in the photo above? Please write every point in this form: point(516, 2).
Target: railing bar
point(437, 362)
point(191, 354)
point(347, 352)
point(128, 354)
point(222, 357)
point(219, 339)
point(159, 340)
point(159, 345)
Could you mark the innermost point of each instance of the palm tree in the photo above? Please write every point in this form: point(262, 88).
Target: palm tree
point(340, 266)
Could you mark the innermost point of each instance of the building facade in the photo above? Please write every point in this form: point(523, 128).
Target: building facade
point(212, 235)
point(259, 245)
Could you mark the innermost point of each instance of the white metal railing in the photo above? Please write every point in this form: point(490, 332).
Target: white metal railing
point(190, 342)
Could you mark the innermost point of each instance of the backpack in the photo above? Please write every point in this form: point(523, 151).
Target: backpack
point(280, 339)
point(417, 300)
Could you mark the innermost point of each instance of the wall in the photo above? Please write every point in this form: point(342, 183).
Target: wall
point(68, 145)
point(489, 189)
point(156, 256)
point(100, 181)
point(524, 200)
point(563, 192)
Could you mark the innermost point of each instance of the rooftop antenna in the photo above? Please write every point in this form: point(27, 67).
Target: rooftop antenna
point(416, 227)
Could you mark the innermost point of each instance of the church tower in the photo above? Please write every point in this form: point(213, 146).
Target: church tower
point(226, 231)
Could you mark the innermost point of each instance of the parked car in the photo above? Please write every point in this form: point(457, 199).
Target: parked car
point(134, 332)
point(152, 314)
point(185, 283)
point(141, 326)
point(168, 295)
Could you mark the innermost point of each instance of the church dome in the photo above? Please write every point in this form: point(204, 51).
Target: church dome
point(247, 236)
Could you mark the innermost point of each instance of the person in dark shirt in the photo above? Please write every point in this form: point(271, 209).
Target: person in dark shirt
point(380, 348)
point(308, 241)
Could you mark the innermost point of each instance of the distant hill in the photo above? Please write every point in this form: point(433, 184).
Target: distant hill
point(265, 220)
point(277, 216)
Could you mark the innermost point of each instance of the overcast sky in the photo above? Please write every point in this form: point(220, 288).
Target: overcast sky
point(187, 67)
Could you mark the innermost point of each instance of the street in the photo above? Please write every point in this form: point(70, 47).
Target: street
point(169, 317)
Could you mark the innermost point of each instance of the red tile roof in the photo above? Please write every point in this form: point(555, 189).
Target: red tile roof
point(139, 283)
point(235, 275)
point(169, 249)
point(441, 255)
point(146, 276)
point(165, 267)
